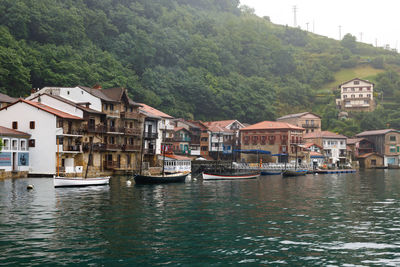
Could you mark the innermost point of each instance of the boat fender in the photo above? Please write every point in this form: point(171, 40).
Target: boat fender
point(29, 187)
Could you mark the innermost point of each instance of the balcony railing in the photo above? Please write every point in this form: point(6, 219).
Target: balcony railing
point(113, 147)
point(150, 135)
point(95, 128)
point(150, 151)
point(181, 139)
point(113, 113)
point(115, 129)
point(310, 125)
point(110, 165)
point(130, 115)
point(130, 147)
point(131, 131)
point(96, 147)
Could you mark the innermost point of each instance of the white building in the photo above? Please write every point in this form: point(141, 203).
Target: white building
point(14, 155)
point(45, 124)
point(334, 145)
point(175, 163)
point(356, 95)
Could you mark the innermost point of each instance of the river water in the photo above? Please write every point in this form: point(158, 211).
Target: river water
point(329, 220)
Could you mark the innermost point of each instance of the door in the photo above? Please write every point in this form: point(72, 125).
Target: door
point(149, 130)
point(15, 162)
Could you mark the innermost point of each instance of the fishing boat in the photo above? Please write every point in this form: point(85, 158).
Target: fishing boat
point(287, 173)
point(161, 179)
point(270, 172)
point(60, 181)
point(229, 175)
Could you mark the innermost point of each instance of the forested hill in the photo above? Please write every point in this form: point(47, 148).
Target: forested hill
point(202, 59)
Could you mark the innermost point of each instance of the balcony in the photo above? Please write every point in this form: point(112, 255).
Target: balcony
point(130, 115)
point(181, 139)
point(113, 147)
point(95, 128)
point(69, 148)
point(131, 148)
point(150, 135)
point(308, 126)
point(150, 151)
point(114, 129)
point(130, 131)
point(96, 147)
point(195, 152)
point(111, 165)
point(112, 113)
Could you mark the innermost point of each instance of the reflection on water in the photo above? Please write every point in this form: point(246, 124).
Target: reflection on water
point(312, 220)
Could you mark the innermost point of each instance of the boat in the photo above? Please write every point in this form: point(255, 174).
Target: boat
point(229, 175)
point(80, 181)
point(60, 181)
point(161, 179)
point(287, 173)
point(266, 172)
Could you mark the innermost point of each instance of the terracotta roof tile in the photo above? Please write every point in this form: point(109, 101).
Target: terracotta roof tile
point(4, 131)
point(153, 111)
point(377, 132)
point(272, 125)
point(324, 134)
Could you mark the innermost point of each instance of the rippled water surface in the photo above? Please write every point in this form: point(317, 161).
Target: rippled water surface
point(329, 220)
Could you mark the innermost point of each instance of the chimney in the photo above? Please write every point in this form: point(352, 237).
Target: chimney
point(97, 86)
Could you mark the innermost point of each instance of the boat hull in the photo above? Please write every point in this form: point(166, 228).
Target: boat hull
point(289, 173)
point(79, 181)
point(235, 176)
point(172, 178)
point(271, 172)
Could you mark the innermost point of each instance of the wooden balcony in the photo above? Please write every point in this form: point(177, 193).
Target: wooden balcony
point(131, 148)
point(96, 147)
point(95, 128)
point(113, 147)
point(151, 151)
point(130, 115)
point(130, 131)
point(150, 135)
point(111, 165)
point(310, 126)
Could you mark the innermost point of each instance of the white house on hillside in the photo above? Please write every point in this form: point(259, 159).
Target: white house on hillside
point(356, 95)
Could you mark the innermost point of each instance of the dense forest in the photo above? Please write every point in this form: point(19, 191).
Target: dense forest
point(200, 59)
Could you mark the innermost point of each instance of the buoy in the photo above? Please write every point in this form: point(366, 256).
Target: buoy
point(29, 187)
point(128, 183)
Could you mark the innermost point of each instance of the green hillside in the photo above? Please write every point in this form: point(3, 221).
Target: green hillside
point(201, 59)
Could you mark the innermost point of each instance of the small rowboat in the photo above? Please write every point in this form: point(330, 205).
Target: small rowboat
point(79, 181)
point(230, 176)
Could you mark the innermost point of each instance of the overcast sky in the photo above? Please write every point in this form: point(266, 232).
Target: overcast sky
point(373, 21)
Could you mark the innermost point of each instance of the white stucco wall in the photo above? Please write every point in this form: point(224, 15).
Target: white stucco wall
point(42, 156)
point(335, 145)
point(60, 105)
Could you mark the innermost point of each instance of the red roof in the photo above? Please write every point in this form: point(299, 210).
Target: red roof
point(324, 134)
point(222, 124)
point(272, 125)
point(308, 145)
point(48, 109)
point(154, 112)
point(313, 153)
point(366, 155)
point(377, 132)
point(4, 131)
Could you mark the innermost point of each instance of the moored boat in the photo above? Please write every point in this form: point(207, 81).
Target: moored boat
point(161, 179)
point(80, 181)
point(271, 172)
point(229, 175)
point(287, 173)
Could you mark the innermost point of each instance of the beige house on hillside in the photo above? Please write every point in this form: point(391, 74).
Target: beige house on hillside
point(356, 95)
point(309, 121)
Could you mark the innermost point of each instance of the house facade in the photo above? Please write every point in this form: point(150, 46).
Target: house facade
point(311, 122)
point(14, 155)
point(334, 146)
point(356, 95)
point(386, 142)
point(181, 141)
point(280, 138)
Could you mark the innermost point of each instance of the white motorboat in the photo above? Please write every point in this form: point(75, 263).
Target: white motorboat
point(80, 181)
point(230, 176)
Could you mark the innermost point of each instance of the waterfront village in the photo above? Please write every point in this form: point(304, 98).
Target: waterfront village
point(98, 131)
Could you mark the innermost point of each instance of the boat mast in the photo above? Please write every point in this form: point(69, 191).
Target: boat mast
point(163, 145)
point(58, 156)
point(90, 158)
point(219, 140)
point(142, 147)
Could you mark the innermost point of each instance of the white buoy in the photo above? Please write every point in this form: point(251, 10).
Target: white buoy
point(29, 187)
point(128, 183)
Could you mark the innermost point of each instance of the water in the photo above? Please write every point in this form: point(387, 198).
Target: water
point(329, 220)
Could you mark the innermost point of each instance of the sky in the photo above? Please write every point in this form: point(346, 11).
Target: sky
point(372, 22)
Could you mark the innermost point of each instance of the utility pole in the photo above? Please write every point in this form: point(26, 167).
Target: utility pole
point(340, 32)
point(361, 34)
point(313, 26)
point(294, 16)
point(376, 42)
point(307, 25)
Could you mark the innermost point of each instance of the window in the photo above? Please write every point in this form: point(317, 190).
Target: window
point(392, 149)
point(32, 143)
point(67, 92)
point(360, 95)
point(32, 125)
point(15, 125)
point(353, 96)
point(345, 96)
point(360, 89)
point(111, 106)
point(356, 82)
point(344, 89)
point(353, 89)
point(22, 145)
point(369, 95)
point(392, 138)
point(6, 144)
point(373, 162)
point(105, 106)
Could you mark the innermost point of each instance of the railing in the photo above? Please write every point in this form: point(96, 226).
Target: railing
point(96, 147)
point(74, 132)
point(130, 147)
point(113, 147)
point(110, 165)
point(131, 131)
point(75, 148)
point(181, 139)
point(150, 135)
point(114, 113)
point(148, 151)
point(95, 128)
point(114, 129)
point(130, 115)
point(310, 125)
